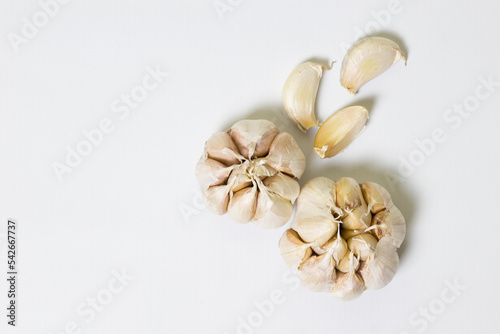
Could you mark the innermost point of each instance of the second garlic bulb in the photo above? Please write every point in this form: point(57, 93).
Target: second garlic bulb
point(251, 172)
point(344, 237)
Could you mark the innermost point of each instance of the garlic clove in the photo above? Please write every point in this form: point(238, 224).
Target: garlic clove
point(283, 185)
point(286, 156)
point(378, 271)
point(389, 224)
point(363, 246)
point(253, 137)
point(299, 94)
point(243, 204)
point(367, 59)
point(293, 250)
point(216, 198)
point(272, 210)
point(348, 263)
point(338, 246)
point(317, 273)
point(347, 286)
point(340, 130)
point(349, 195)
point(263, 170)
point(222, 148)
point(316, 229)
point(347, 234)
point(313, 218)
point(320, 192)
point(210, 172)
point(376, 197)
point(239, 178)
point(359, 218)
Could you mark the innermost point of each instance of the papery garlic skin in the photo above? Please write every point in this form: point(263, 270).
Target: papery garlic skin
point(381, 268)
point(293, 249)
point(332, 251)
point(377, 197)
point(340, 130)
point(317, 273)
point(251, 173)
point(367, 59)
point(348, 286)
point(299, 94)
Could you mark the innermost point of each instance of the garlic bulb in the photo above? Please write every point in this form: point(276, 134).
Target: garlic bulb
point(340, 130)
point(367, 59)
point(251, 172)
point(344, 237)
point(299, 94)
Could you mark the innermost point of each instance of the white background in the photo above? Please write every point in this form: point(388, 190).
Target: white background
point(132, 203)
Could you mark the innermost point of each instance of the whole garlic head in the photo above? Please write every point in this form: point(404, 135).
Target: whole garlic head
point(251, 172)
point(344, 237)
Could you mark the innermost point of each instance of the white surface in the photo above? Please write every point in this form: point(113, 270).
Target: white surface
point(121, 207)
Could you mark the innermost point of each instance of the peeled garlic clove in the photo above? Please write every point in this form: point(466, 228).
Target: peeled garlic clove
point(283, 185)
point(389, 224)
point(377, 197)
point(348, 263)
point(253, 137)
point(221, 147)
point(243, 205)
point(272, 210)
point(363, 246)
point(216, 198)
point(339, 131)
point(347, 287)
point(299, 94)
point(210, 172)
point(367, 59)
point(286, 156)
point(317, 273)
point(293, 250)
point(378, 271)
